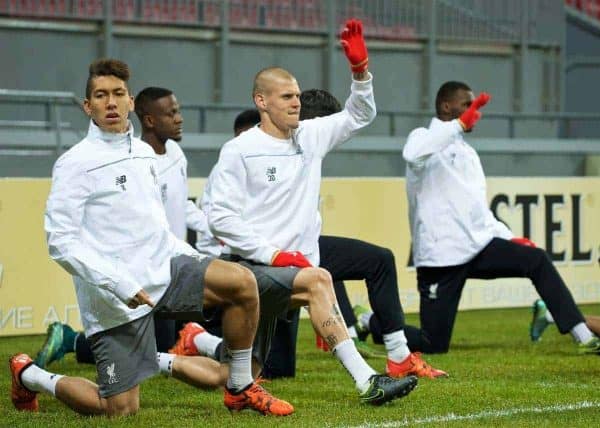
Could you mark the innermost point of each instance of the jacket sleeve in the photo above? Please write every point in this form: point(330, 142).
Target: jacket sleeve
point(195, 218)
point(501, 230)
point(422, 142)
point(71, 187)
point(359, 111)
point(227, 199)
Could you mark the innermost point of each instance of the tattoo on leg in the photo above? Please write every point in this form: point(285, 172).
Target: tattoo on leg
point(332, 341)
point(329, 322)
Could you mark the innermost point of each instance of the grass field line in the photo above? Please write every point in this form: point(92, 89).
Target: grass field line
point(501, 413)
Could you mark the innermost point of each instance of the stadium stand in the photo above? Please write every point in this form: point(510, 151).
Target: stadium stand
point(590, 8)
point(472, 37)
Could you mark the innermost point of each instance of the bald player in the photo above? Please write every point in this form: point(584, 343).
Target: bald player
point(263, 197)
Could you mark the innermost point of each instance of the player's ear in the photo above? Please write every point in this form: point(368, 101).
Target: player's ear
point(260, 101)
point(86, 107)
point(148, 121)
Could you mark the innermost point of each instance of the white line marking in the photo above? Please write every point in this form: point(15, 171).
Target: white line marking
point(450, 417)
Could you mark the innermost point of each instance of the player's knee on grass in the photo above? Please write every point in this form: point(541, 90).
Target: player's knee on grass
point(122, 405)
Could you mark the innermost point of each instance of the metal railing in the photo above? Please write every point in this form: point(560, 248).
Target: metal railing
point(563, 120)
point(478, 20)
point(52, 101)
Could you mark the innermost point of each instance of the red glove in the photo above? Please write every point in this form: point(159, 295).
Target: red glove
point(471, 115)
point(354, 46)
point(290, 258)
point(321, 343)
point(524, 241)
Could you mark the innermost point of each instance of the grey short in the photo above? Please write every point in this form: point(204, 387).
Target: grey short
point(126, 355)
point(274, 289)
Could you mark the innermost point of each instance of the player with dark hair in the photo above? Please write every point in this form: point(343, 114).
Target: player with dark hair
point(245, 120)
point(158, 112)
point(456, 236)
point(107, 227)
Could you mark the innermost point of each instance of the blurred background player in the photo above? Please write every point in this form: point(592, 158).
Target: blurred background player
point(456, 236)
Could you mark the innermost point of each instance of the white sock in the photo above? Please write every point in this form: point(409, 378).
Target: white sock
point(581, 333)
point(548, 316)
point(165, 362)
point(355, 364)
point(365, 320)
point(352, 332)
point(75, 341)
point(240, 369)
point(36, 379)
point(396, 346)
point(207, 343)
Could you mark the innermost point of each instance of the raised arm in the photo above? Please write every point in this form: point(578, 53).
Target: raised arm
point(359, 109)
point(422, 143)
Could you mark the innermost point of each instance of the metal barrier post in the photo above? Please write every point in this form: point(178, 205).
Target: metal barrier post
point(56, 126)
point(202, 119)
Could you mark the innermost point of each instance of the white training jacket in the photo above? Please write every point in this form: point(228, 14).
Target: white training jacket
point(450, 220)
point(106, 225)
point(264, 192)
point(172, 180)
point(206, 243)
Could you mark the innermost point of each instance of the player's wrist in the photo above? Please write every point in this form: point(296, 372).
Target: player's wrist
point(361, 76)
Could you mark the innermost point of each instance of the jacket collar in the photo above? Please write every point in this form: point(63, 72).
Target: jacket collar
point(435, 123)
point(96, 134)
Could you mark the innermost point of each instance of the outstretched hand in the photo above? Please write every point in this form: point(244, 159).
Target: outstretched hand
point(353, 42)
point(471, 115)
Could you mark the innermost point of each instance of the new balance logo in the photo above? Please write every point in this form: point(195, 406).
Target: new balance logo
point(120, 181)
point(163, 192)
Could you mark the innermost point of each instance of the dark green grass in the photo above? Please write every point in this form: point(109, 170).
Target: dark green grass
point(493, 368)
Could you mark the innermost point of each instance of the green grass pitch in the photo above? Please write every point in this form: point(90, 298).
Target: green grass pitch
point(497, 378)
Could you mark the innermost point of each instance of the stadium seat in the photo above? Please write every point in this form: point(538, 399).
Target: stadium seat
point(124, 10)
point(243, 14)
point(209, 13)
point(88, 8)
point(311, 14)
point(280, 14)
